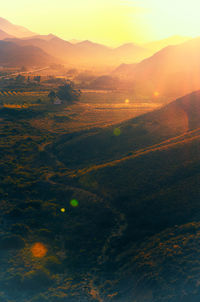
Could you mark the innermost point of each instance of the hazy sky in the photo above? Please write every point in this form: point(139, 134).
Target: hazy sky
point(107, 21)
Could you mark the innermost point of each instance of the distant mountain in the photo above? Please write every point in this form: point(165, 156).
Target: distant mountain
point(123, 70)
point(12, 54)
point(74, 41)
point(50, 44)
point(131, 52)
point(14, 30)
point(173, 71)
point(4, 35)
point(158, 45)
point(85, 53)
point(41, 37)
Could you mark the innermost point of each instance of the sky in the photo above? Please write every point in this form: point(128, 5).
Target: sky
point(112, 22)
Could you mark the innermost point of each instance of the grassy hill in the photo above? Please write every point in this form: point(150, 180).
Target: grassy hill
point(115, 210)
point(99, 146)
point(155, 189)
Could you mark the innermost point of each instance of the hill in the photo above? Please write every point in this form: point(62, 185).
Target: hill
point(155, 46)
point(118, 220)
point(85, 53)
point(173, 71)
point(14, 30)
point(155, 190)
point(4, 35)
point(12, 54)
point(153, 128)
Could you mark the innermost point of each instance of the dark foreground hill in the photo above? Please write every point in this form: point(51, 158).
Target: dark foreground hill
point(130, 226)
point(99, 146)
point(153, 184)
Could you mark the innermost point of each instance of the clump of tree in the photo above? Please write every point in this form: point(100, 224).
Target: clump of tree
point(67, 93)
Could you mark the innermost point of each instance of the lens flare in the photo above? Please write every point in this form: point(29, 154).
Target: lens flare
point(117, 132)
point(156, 94)
point(74, 203)
point(38, 250)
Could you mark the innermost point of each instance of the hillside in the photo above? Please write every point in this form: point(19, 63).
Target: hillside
point(115, 214)
point(4, 35)
point(170, 121)
point(168, 72)
point(155, 46)
point(14, 30)
point(86, 52)
point(156, 191)
point(12, 54)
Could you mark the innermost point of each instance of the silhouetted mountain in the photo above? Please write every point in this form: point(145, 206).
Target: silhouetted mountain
point(173, 71)
point(14, 30)
point(12, 54)
point(4, 35)
point(85, 53)
point(131, 52)
point(50, 44)
point(155, 46)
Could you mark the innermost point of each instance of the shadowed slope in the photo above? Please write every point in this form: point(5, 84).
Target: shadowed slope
point(97, 147)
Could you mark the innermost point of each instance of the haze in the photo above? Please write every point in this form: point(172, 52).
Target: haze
point(110, 22)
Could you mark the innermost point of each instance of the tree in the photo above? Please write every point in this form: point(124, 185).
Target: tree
point(68, 93)
point(52, 95)
point(37, 79)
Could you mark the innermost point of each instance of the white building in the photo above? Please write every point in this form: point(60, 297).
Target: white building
point(57, 101)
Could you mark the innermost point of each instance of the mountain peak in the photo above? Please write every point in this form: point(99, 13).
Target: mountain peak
point(14, 30)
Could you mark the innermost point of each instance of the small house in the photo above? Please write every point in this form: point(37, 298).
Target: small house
point(57, 101)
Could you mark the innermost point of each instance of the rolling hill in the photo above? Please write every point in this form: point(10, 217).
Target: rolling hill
point(12, 54)
point(85, 53)
point(130, 193)
point(153, 184)
point(144, 131)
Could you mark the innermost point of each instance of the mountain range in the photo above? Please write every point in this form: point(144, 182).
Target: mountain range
point(14, 55)
point(14, 30)
point(84, 53)
point(173, 71)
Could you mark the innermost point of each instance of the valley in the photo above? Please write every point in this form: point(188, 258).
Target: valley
point(99, 155)
point(118, 219)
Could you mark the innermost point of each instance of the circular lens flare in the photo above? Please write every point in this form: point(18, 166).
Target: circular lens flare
point(156, 94)
point(117, 132)
point(74, 203)
point(38, 250)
